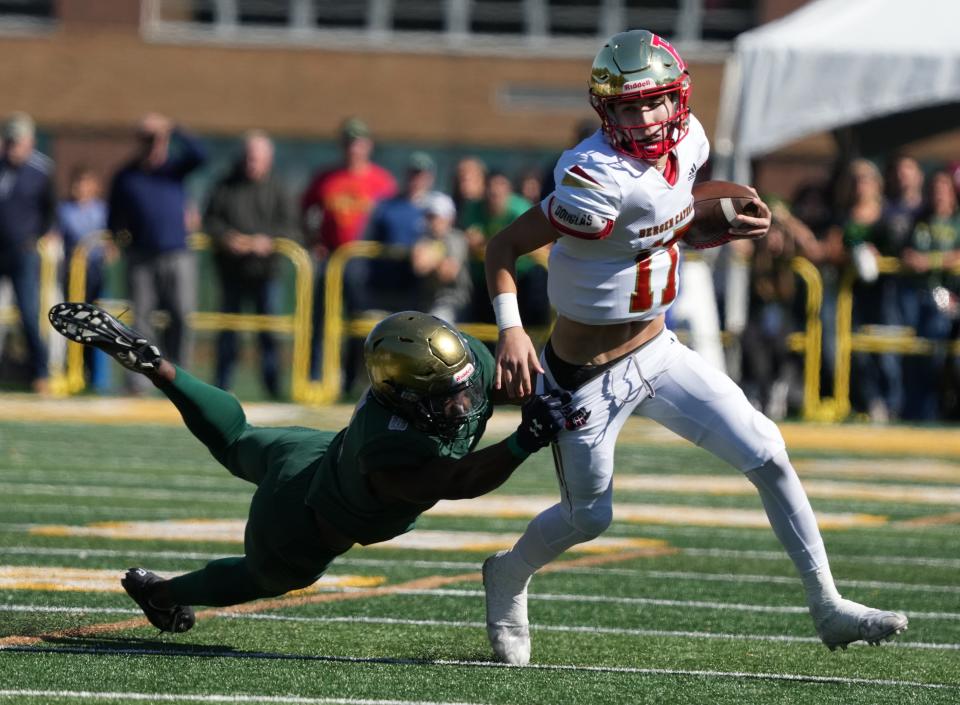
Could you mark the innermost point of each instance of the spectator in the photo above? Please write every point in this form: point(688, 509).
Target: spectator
point(397, 223)
point(469, 185)
point(248, 209)
point(904, 199)
point(335, 209)
point(484, 219)
point(439, 261)
point(772, 377)
point(876, 379)
point(530, 185)
point(82, 219)
point(27, 208)
point(931, 294)
point(812, 206)
point(147, 211)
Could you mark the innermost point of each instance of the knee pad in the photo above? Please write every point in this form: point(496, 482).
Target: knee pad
point(591, 521)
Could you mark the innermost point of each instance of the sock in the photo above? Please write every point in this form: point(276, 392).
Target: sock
point(546, 537)
point(819, 587)
point(790, 514)
point(794, 523)
point(220, 583)
point(214, 416)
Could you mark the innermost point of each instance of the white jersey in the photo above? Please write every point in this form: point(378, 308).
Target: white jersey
point(621, 220)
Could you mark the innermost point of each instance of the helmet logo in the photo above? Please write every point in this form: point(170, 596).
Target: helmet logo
point(463, 374)
point(641, 85)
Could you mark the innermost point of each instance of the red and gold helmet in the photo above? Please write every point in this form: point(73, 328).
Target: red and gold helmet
point(640, 64)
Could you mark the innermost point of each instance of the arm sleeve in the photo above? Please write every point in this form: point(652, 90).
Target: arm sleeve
point(587, 198)
point(192, 152)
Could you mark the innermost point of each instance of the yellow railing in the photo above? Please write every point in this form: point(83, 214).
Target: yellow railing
point(809, 342)
point(336, 328)
point(298, 324)
point(849, 342)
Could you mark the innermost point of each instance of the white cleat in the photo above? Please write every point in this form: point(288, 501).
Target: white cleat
point(507, 627)
point(841, 623)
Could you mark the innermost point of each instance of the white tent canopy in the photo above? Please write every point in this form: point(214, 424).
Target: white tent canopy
point(833, 63)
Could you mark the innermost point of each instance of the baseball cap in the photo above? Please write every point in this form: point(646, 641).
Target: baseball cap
point(17, 126)
point(354, 128)
point(421, 161)
point(441, 204)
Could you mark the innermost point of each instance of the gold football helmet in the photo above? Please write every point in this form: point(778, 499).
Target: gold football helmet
point(640, 64)
point(423, 369)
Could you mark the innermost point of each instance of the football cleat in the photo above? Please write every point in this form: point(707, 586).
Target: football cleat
point(139, 583)
point(91, 325)
point(507, 627)
point(841, 623)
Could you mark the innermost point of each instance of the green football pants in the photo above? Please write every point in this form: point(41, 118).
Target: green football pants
point(281, 542)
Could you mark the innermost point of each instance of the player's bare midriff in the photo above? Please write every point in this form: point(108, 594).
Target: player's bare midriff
point(585, 344)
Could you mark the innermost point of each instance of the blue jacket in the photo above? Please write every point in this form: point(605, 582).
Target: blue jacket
point(150, 205)
point(27, 201)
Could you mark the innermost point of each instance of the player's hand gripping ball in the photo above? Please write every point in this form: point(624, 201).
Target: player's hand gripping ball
point(716, 205)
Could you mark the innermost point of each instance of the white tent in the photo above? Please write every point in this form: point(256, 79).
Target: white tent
point(833, 63)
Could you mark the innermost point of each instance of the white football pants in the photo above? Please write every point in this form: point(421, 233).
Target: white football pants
point(668, 382)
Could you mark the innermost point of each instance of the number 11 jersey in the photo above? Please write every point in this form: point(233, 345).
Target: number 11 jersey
point(620, 221)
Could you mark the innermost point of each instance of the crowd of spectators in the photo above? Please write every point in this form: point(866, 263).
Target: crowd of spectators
point(435, 237)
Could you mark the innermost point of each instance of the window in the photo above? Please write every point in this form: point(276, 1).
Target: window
point(464, 24)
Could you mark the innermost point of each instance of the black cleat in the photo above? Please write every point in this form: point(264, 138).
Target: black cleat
point(91, 325)
point(139, 584)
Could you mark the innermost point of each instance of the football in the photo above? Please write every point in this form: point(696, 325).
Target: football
point(715, 205)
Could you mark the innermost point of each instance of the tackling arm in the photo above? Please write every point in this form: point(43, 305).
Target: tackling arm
point(445, 478)
point(477, 473)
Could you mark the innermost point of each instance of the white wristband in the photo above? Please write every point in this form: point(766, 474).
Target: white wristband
point(506, 310)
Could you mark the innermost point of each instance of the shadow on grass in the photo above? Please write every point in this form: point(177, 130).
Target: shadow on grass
point(127, 646)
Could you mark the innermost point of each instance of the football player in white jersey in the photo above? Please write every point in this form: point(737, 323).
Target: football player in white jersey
point(622, 203)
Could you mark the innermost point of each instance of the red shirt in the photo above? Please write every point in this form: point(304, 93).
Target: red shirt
point(346, 199)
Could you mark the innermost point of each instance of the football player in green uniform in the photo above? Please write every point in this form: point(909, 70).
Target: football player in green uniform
point(409, 444)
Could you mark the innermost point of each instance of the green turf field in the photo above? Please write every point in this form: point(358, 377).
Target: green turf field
point(687, 600)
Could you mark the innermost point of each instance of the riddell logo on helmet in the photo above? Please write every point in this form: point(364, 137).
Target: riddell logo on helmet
point(641, 85)
point(463, 374)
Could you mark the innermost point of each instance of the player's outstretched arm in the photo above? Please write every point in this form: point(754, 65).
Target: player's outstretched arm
point(516, 360)
point(542, 417)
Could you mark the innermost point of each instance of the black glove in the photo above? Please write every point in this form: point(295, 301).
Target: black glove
point(544, 416)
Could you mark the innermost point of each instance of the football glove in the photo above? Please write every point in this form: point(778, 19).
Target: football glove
point(543, 416)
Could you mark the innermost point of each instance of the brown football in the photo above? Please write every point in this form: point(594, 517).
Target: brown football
point(715, 204)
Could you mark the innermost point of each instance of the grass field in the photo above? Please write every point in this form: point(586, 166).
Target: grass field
point(688, 599)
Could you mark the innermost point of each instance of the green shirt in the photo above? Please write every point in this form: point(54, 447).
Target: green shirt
point(476, 215)
point(938, 234)
point(340, 490)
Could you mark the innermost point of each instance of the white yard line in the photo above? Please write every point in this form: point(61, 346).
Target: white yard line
point(609, 599)
point(746, 578)
point(624, 631)
point(706, 674)
point(147, 556)
point(780, 556)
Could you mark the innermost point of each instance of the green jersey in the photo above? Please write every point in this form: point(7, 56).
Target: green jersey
point(377, 439)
